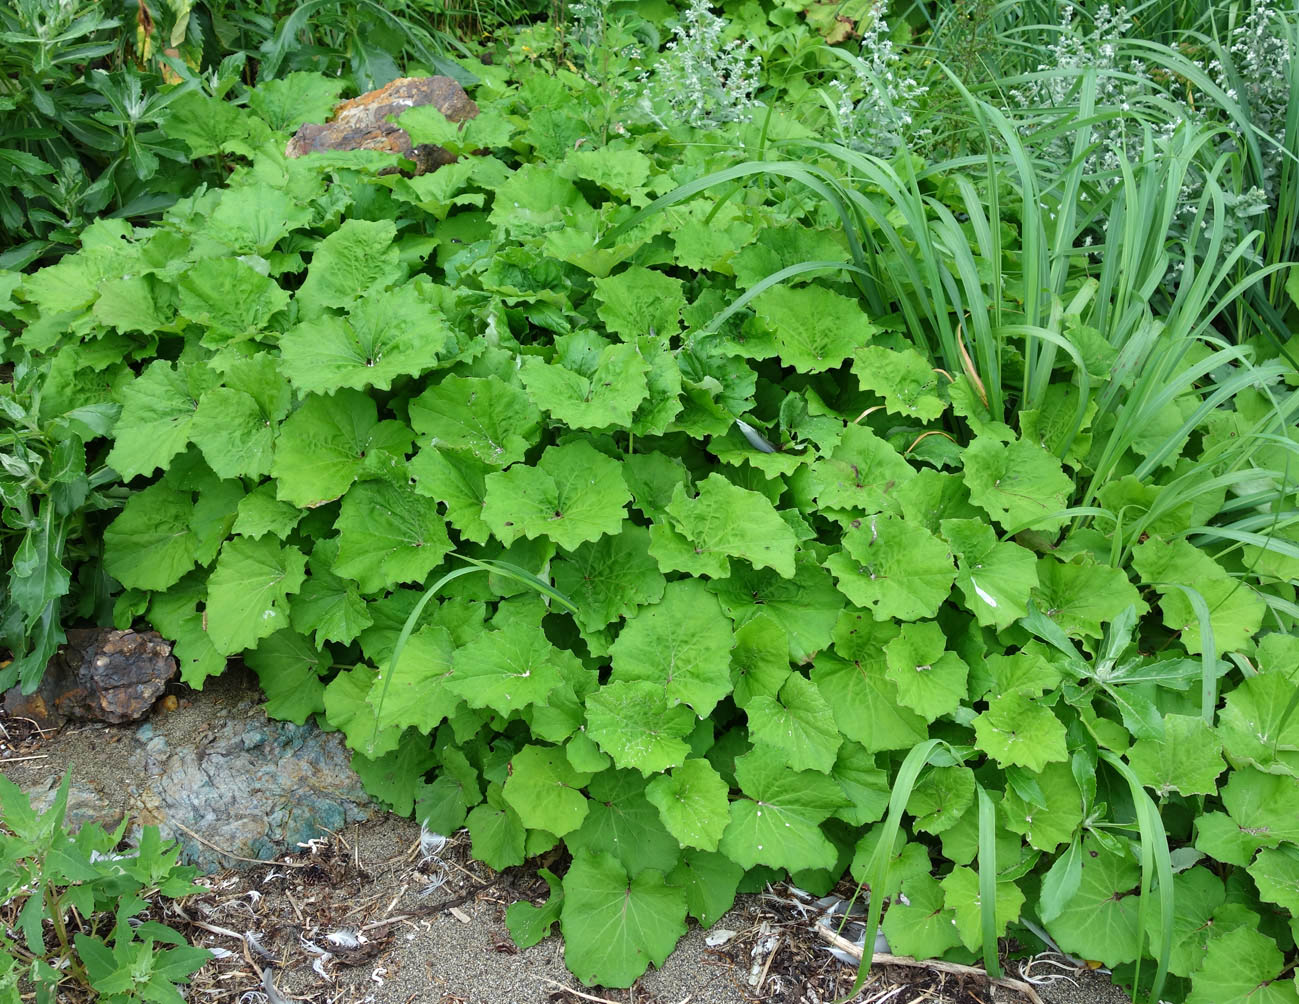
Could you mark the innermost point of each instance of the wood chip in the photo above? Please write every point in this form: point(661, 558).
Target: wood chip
point(459, 914)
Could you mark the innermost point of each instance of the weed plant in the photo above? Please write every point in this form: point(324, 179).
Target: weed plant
point(78, 911)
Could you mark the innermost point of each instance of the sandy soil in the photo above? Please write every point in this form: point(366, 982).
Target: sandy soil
point(431, 930)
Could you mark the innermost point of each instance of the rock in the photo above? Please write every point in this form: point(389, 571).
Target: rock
point(98, 675)
point(361, 123)
point(250, 786)
point(227, 779)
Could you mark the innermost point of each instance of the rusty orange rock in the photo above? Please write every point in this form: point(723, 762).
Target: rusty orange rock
point(361, 123)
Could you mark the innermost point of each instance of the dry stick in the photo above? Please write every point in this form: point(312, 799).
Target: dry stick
point(578, 993)
point(20, 759)
point(955, 969)
point(770, 955)
point(221, 850)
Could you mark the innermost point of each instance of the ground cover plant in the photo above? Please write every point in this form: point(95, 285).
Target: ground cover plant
point(919, 520)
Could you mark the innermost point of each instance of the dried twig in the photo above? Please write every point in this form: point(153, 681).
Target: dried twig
point(955, 969)
point(230, 854)
point(762, 978)
point(578, 993)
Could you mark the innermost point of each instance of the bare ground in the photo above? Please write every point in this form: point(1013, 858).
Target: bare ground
point(364, 917)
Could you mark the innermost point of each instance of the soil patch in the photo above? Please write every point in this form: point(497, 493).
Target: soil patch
point(372, 914)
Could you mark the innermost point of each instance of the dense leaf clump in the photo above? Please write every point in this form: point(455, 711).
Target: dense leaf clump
point(797, 548)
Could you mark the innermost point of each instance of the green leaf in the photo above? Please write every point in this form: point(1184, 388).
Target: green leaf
point(483, 415)
point(157, 416)
point(252, 219)
point(865, 785)
point(710, 882)
point(248, 591)
point(640, 301)
point(1100, 919)
point(619, 170)
point(930, 680)
point(233, 433)
point(1187, 759)
point(801, 725)
point(778, 824)
point(662, 403)
point(724, 518)
point(1015, 730)
point(814, 328)
point(260, 513)
point(590, 384)
point(1220, 837)
point(496, 834)
point(633, 722)
point(693, 804)
point(508, 669)
point(681, 645)
point(675, 552)
point(149, 545)
point(427, 124)
point(230, 299)
point(357, 258)
point(330, 606)
point(961, 890)
point(906, 380)
point(529, 924)
point(545, 790)
point(130, 304)
point(574, 494)
point(615, 927)
point(175, 615)
point(759, 661)
point(457, 480)
point(860, 476)
point(1198, 894)
point(1018, 484)
point(622, 822)
point(1264, 805)
point(443, 805)
point(1053, 823)
point(1242, 967)
point(1257, 727)
point(388, 535)
point(996, 578)
point(1027, 671)
point(347, 707)
point(1235, 609)
point(287, 102)
point(329, 442)
point(1081, 597)
point(864, 700)
point(394, 777)
point(536, 196)
point(417, 695)
point(893, 568)
point(385, 335)
point(922, 925)
point(652, 478)
point(941, 797)
point(806, 606)
point(610, 578)
point(1276, 873)
point(289, 669)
